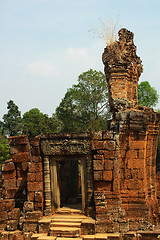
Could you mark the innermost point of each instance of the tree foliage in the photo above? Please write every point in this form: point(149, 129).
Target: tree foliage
point(36, 123)
point(4, 149)
point(85, 105)
point(147, 95)
point(12, 121)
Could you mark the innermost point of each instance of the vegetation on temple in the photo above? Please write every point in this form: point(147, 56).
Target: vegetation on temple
point(4, 148)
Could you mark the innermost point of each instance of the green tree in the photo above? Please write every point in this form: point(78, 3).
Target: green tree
point(147, 95)
point(85, 105)
point(4, 149)
point(36, 123)
point(12, 121)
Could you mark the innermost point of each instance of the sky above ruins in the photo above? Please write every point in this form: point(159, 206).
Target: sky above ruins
point(46, 44)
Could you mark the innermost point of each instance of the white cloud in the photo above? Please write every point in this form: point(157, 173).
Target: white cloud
point(45, 69)
point(77, 53)
point(84, 58)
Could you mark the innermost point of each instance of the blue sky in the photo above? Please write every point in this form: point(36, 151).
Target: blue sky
point(46, 44)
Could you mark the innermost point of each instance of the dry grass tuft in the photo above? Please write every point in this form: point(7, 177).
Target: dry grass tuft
point(107, 31)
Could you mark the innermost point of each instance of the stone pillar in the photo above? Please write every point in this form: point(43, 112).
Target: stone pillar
point(47, 187)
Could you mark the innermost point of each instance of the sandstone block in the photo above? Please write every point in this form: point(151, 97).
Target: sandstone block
point(18, 149)
point(35, 150)
point(2, 205)
point(7, 184)
point(36, 159)
point(18, 140)
point(35, 167)
point(21, 157)
point(12, 225)
point(88, 227)
point(35, 186)
point(108, 135)
point(95, 144)
point(107, 175)
point(3, 216)
point(136, 163)
point(96, 135)
point(108, 165)
point(98, 156)
point(38, 197)
point(39, 177)
point(103, 185)
point(9, 204)
point(8, 166)
point(31, 177)
point(33, 215)
point(131, 154)
point(109, 145)
point(4, 235)
point(16, 235)
point(109, 154)
point(98, 165)
point(9, 175)
point(44, 225)
point(2, 228)
point(98, 175)
point(31, 196)
point(10, 193)
point(28, 206)
point(14, 214)
point(30, 226)
point(136, 145)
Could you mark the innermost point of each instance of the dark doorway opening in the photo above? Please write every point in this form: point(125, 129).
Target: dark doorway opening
point(68, 183)
point(69, 175)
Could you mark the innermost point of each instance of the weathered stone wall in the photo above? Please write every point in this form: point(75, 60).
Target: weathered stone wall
point(22, 186)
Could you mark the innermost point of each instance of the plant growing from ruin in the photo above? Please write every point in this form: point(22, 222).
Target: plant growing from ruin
point(107, 31)
point(4, 149)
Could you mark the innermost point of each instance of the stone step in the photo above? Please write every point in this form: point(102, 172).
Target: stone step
point(63, 238)
point(65, 224)
point(65, 216)
point(47, 238)
point(103, 236)
point(68, 220)
point(68, 210)
point(36, 236)
point(64, 232)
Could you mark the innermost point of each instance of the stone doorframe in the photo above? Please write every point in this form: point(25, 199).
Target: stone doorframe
point(55, 147)
point(55, 187)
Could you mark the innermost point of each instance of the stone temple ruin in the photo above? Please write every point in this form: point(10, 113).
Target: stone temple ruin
point(93, 185)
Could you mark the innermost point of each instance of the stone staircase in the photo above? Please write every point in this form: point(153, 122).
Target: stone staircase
point(66, 224)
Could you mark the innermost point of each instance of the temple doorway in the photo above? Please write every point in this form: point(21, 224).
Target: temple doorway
point(68, 183)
